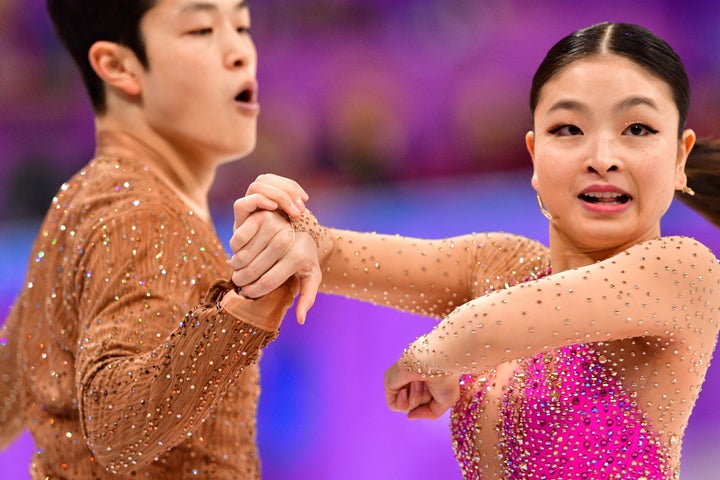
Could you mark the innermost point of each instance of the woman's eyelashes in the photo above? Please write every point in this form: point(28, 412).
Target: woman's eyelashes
point(565, 130)
point(633, 129)
point(639, 130)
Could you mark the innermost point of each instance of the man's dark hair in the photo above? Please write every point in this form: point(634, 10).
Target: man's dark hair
point(80, 23)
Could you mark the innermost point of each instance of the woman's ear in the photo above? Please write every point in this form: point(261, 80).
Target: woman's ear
point(116, 65)
point(530, 145)
point(686, 144)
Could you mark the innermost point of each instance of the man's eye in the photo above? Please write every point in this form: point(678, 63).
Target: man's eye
point(638, 130)
point(201, 31)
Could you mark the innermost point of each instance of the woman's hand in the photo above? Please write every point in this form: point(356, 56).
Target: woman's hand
point(418, 396)
point(266, 249)
point(271, 192)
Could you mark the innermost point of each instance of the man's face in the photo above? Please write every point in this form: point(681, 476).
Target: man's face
point(199, 92)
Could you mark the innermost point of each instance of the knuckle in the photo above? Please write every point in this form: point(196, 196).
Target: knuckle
point(239, 260)
point(237, 241)
point(267, 284)
point(249, 272)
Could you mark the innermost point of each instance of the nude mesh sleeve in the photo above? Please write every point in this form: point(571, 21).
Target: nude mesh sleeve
point(666, 288)
point(427, 277)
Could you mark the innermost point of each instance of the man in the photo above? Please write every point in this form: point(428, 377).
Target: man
point(125, 354)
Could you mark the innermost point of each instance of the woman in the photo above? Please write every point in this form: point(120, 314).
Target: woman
point(581, 361)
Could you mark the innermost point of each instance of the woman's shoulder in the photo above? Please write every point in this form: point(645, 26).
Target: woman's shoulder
point(678, 254)
point(678, 245)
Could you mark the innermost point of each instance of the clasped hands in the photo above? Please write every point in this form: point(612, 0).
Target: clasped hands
point(267, 252)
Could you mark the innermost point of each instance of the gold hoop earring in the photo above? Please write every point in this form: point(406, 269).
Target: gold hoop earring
point(688, 191)
point(543, 210)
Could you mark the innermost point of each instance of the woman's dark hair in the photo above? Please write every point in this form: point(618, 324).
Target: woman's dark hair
point(80, 23)
point(703, 173)
point(630, 41)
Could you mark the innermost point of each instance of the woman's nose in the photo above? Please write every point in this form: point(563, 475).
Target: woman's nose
point(604, 157)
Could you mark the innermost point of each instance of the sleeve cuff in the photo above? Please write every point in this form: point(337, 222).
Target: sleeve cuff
point(237, 305)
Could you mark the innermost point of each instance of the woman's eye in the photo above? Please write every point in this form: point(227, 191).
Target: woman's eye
point(638, 130)
point(566, 130)
point(244, 30)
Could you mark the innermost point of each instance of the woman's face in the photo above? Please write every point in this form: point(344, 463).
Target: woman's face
point(606, 153)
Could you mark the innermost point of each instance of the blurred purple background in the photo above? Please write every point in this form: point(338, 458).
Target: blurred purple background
point(401, 116)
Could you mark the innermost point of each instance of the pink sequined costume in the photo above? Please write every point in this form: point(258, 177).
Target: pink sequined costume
point(589, 373)
point(564, 415)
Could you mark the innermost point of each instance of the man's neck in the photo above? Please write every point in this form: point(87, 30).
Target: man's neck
point(189, 174)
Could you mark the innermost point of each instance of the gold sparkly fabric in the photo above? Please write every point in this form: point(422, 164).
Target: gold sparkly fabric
point(545, 358)
point(122, 365)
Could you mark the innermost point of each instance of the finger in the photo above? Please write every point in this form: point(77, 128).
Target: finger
point(309, 286)
point(258, 230)
point(289, 185)
point(266, 271)
point(242, 235)
point(427, 411)
point(401, 401)
point(291, 202)
point(245, 206)
point(419, 395)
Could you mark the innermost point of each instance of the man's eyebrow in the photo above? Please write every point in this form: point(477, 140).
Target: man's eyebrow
point(207, 6)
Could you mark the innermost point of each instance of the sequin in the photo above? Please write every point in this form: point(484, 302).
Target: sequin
point(124, 368)
point(587, 373)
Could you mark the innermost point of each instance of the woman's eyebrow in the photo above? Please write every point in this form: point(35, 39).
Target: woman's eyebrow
point(574, 105)
point(635, 101)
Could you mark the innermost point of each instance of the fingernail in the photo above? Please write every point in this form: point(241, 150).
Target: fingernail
point(293, 210)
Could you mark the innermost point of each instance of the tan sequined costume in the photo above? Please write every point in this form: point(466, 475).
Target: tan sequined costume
point(586, 373)
point(106, 350)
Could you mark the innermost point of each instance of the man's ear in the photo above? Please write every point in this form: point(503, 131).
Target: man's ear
point(116, 65)
point(530, 145)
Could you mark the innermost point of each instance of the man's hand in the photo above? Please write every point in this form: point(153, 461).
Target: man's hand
point(266, 249)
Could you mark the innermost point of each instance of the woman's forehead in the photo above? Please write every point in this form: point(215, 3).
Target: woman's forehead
point(606, 77)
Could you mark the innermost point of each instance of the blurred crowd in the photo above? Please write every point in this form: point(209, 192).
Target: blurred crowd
point(352, 91)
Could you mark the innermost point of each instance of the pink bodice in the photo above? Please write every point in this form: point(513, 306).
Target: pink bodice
point(564, 415)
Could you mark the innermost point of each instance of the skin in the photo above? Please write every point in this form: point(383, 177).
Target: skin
point(603, 127)
point(605, 124)
point(602, 124)
point(594, 132)
point(210, 124)
point(200, 56)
